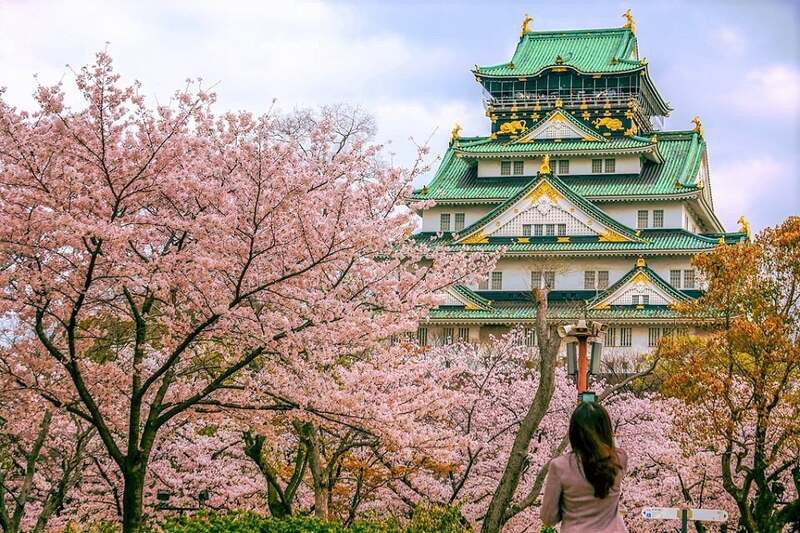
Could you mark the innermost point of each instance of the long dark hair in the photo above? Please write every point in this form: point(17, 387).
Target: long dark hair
point(592, 440)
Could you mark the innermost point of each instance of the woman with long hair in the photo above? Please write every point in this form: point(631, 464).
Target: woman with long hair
point(582, 489)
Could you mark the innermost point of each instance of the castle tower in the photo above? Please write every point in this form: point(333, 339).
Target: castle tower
point(578, 184)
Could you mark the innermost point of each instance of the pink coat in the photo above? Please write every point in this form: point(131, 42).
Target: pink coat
point(569, 499)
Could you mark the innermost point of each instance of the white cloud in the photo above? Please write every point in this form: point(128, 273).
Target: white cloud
point(426, 122)
point(728, 40)
point(304, 53)
point(747, 187)
point(773, 89)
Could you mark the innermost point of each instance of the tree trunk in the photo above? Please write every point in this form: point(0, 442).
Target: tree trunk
point(279, 499)
point(548, 349)
point(320, 501)
point(132, 512)
point(307, 433)
point(277, 507)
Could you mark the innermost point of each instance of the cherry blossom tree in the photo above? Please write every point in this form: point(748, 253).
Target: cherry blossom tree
point(495, 382)
point(43, 452)
point(391, 409)
point(152, 258)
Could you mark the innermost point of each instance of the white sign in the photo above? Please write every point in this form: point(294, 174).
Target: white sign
point(661, 513)
point(708, 515)
point(674, 513)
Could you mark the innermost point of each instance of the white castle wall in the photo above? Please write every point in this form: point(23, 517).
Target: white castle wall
point(490, 168)
point(621, 357)
point(569, 272)
point(431, 217)
point(627, 212)
point(676, 215)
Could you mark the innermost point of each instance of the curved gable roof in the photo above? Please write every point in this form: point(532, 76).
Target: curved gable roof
point(587, 51)
point(474, 234)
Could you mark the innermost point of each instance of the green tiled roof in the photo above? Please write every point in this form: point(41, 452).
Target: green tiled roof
point(487, 147)
point(657, 280)
point(456, 179)
point(588, 51)
point(730, 238)
point(526, 312)
point(651, 242)
point(471, 296)
point(559, 185)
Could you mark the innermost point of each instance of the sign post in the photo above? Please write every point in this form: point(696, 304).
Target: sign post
point(685, 515)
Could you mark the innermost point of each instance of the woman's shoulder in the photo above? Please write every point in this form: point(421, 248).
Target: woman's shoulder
point(563, 461)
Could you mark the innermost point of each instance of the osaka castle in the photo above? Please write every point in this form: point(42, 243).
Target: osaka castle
point(581, 187)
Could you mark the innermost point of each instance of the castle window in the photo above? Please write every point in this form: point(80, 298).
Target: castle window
point(597, 166)
point(444, 222)
point(483, 285)
point(497, 281)
point(625, 335)
point(550, 230)
point(595, 280)
point(447, 335)
point(563, 166)
point(675, 278)
point(463, 334)
point(658, 218)
point(519, 168)
point(530, 337)
point(549, 279)
point(654, 335)
point(422, 336)
point(505, 168)
point(611, 337)
point(611, 165)
point(688, 279)
point(641, 219)
point(562, 230)
point(526, 230)
point(459, 225)
point(537, 230)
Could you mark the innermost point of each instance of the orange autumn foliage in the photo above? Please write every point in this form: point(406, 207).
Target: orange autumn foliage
point(741, 376)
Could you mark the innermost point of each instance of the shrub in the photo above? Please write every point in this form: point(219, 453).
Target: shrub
point(424, 520)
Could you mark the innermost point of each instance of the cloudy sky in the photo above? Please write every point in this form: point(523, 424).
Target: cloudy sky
point(735, 63)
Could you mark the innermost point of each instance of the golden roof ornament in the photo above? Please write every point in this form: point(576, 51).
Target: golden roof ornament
point(744, 227)
point(454, 134)
point(640, 262)
point(544, 168)
point(629, 22)
point(698, 126)
point(526, 25)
